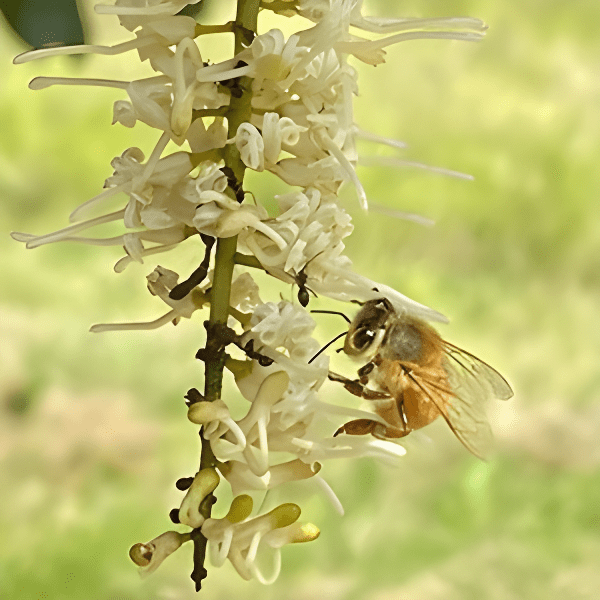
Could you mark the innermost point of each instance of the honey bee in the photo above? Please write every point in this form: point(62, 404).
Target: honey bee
point(414, 376)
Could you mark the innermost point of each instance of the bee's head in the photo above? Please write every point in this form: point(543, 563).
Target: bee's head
point(368, 328)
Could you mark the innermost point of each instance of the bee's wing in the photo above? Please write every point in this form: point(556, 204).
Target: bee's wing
point(472, 382)
point(468, 372)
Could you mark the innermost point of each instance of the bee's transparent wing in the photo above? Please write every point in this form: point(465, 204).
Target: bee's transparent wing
point(473, 383)
point(471, 373)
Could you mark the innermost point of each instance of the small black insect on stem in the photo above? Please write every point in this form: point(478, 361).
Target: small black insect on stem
point(303, 295)
point(181, 290)
point(234, 184)
point(220, 336)
point(233, 84)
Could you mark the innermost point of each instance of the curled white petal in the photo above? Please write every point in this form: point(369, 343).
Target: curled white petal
point(251, 146)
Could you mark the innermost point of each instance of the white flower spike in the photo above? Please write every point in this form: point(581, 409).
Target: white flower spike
point(283, 105)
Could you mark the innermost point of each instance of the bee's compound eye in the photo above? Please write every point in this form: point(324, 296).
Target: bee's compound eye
point(360, 340)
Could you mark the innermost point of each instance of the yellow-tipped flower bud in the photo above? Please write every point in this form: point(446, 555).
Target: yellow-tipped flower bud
point(273, 387)
point(293, 534)
point(240, 508)
point(141, 554)
point(149, 556)
point(270, 391)
point(204, 483)
point(306, 533)
point(205, 412)
point(284, 515)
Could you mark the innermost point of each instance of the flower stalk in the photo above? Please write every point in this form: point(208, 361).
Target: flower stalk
point(239, 112)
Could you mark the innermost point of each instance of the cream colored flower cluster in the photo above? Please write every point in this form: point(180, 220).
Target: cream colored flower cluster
point(302, 130)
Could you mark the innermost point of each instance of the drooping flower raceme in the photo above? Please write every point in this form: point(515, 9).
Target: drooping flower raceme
point(282, 105)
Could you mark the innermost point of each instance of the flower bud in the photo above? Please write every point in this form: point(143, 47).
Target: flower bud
point(284, 515)
point(202, 413)
point(149, 556)
point(240, 508)
point(204, 483)
point(293, 534)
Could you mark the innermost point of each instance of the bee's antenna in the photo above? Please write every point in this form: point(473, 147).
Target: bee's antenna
point(332, 312)
point(335, 339)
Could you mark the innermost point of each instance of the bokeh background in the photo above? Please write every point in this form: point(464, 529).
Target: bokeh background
point(93, 431)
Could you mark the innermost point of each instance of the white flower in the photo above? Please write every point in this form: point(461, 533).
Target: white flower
point(164, 102)
point(240, 539)
point(156, 32)
point(246, 440)
point(242, 478)
point(244, 293)
point(217, 422)
point(136, 13)
point(202, 138)
point(348, 12)
point(287, 414)
point(284, 325)
point(349, 446)
point(149, 556)
point(279, 132)
point(220, 216)
point(250, 144)
point(153, 203)
point(160, 282)
point(203, 484)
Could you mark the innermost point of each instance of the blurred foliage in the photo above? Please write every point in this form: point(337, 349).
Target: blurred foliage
point(51, 23)
point(92, 428)
point(44, 23)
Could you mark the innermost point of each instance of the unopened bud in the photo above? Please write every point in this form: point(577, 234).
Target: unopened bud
point(204, 483)
point(141, 554)
point(202, 413)
point(240, 508)
point(284, 515)
point(293, 534)
point(306, 533)
point(150, 555)
point(272, 388)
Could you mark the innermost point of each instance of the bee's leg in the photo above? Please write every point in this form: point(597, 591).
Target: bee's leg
point(357, 427)
point(375, 428)
point(363, 372)
point(402, 413)
point(354, 386)
point(385, 433)
point(396, 417)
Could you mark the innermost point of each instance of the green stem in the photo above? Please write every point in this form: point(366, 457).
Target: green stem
point(219, 311)
point(206, 29)
point(246, 18)
point(209, 112)
point(279, 5)
point(247, 261)
point(216, 154)
point(239, 112)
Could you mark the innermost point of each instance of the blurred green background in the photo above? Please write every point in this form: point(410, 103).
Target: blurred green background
point(93, 431)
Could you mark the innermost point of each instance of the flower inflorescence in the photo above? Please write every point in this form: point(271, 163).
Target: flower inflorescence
point(299, 127)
